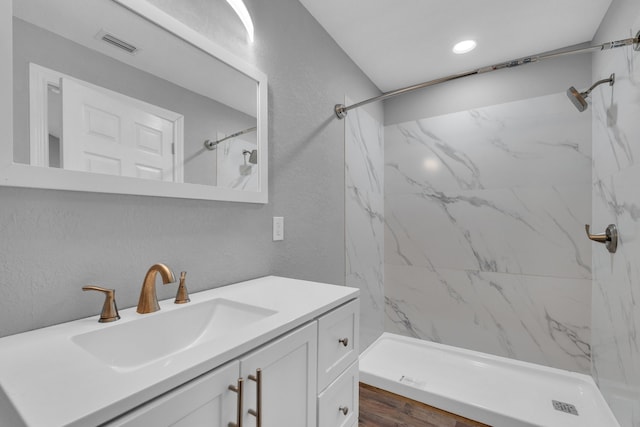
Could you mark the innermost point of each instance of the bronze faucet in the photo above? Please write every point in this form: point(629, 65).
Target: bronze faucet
point(182, 296)
point(109, 308)
point(148, 302)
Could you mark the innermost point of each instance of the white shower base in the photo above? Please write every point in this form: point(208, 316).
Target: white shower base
point(490, 389)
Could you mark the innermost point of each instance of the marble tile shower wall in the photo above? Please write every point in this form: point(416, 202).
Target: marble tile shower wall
point(364, 222)
point(616, 199)
point(484, 230)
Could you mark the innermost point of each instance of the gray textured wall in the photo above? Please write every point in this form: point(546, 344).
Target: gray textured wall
point(54, 242)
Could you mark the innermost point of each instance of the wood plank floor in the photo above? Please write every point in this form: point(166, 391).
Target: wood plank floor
point(380, 408)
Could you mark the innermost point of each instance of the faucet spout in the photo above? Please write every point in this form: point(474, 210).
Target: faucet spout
point(148, 302)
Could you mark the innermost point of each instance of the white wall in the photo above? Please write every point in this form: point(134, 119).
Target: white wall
point(512, 84)
point(364, 219)
point(616, 200)
point(485, 210)
point(54, 242)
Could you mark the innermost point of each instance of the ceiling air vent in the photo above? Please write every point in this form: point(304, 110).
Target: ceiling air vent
point(117, 42)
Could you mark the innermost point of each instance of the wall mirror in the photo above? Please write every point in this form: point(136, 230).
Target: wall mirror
point(117, 96)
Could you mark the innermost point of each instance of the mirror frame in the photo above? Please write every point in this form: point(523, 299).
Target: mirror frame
point(21, 175)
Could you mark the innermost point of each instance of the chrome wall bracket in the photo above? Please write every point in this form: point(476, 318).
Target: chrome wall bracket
point(340, 110)
point(636, 45)
point(609, 238)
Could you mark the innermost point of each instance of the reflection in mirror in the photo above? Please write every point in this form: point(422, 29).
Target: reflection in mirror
point(99, 89)
point(245, 177)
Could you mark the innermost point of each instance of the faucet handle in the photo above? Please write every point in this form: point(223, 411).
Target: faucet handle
point(109, 309)
point(182, 296)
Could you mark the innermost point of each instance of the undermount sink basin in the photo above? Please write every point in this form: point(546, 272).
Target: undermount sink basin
point(141, 341)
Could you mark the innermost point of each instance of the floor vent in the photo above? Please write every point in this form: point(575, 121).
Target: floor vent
point(564, 407)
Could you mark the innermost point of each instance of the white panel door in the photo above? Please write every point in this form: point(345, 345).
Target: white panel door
point(288, 380)
point(110, 133)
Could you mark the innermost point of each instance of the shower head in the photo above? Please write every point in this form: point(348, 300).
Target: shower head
point(579, 99)
point(253, 156)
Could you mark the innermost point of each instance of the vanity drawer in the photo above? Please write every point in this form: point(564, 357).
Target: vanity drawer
point(340, 397)
point(338, 342)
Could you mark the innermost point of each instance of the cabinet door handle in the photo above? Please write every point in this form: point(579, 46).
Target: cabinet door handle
point(258, 412)
point(238, 389)
point(344, 410)
point(344, 341)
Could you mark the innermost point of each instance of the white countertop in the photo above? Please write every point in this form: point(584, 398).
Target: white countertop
point(51, 381)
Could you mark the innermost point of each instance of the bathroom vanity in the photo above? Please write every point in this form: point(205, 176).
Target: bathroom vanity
point(267, 352)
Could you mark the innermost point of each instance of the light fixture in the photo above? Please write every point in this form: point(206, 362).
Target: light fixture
point(464, 46)
point(241, 10)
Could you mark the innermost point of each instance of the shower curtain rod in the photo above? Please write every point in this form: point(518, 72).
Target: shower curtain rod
point(341, 110)
point(211, 144)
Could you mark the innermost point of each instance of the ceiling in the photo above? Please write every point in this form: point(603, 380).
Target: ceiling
point(400, 43)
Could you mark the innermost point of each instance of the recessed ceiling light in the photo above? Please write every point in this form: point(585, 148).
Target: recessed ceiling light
point(464, 46)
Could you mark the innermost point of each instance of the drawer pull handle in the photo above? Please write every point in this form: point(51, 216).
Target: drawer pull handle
point(238, 389)
point(258, 412)
point(344, 341)
point(344, 410)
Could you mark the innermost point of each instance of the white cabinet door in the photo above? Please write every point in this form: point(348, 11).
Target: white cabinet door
point(288, 380)
point(204, 401)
